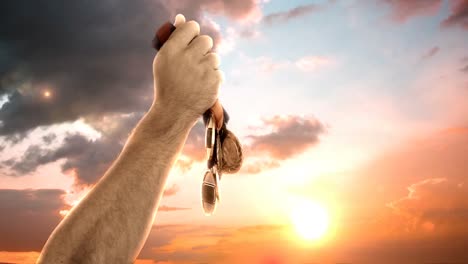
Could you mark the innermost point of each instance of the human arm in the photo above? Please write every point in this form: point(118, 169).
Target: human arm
point(111, 224)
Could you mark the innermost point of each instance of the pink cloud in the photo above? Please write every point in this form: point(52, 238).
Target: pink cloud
point(290, 136)
point(459, 15)
point(402, 10)
point(241, 11)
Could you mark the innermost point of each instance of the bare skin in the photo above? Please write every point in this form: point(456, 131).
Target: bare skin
point(111, 224)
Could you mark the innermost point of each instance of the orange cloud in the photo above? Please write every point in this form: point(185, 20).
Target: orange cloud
point(171, 190)
point(435, 205)
point(262, 244)
point(257, 166)
point(194, 147)
point(18, 257)
point(165, 208)
point(28, 217)
point(215, 244)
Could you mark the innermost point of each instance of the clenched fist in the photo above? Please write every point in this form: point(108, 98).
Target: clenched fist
point(186, 74)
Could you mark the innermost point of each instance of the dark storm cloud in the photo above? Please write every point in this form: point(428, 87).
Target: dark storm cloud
point(88, 159)
point(291, 135)
point(94, 57)
point(28, 217)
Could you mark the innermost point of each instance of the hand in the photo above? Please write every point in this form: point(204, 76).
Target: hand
point(186, 75)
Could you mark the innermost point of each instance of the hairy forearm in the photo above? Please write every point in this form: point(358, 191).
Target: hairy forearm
point(112, 222)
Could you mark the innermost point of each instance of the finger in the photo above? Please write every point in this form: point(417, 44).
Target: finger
point(179, 20)
point(217, 111)
point(202, 44)
point(220, 75)
point(212, 59)
point(184, 34)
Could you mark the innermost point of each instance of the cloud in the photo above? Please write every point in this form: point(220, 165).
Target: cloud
point(403, 10)
point(435, 205)
point(240, 10)
point(430, 53)
point(464, 60)
point(285, 16)
point(290, 136)
point(258, 166)
point(28, 217)
point(165, 208)
point(95, 62)
point(278, 244)
point(86, 159)
point(464, 69)
point(162, 238)
point(262, 64)
point(265, 64)
point(194, 147)
point(312, 63)
point(171, 191)
point(429, 165)
point(458, 16)
point(18, 257)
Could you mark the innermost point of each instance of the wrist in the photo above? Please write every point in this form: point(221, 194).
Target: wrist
point(168, 118)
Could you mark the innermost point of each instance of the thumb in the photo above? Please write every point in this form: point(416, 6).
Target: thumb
point(179, 20)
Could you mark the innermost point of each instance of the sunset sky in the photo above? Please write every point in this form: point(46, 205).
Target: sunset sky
point(351, 112)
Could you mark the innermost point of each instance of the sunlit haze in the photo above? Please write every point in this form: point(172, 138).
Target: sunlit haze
point(353, 116)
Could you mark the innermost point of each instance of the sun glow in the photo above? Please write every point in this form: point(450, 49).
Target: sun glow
point(310, 219)
point(47, 94)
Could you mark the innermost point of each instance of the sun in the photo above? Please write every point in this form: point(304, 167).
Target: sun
point(310, 219)
point(47, 94)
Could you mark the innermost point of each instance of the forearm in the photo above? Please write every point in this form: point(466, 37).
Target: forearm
point(112, 222)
